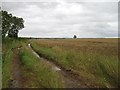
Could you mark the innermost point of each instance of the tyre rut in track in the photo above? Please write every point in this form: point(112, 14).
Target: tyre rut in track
point(16, 81)
point(69, 78)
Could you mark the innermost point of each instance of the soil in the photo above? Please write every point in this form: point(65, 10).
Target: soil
point(16, 80)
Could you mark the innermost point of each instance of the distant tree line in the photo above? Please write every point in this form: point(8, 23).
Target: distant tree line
point(11, 24)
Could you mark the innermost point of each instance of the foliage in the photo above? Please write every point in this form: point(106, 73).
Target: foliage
point(11, 24)
point(74, 36)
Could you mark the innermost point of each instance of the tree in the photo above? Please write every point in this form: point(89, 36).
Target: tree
point(11, 24)
point(0, 23)
point(74, 36)
point(5, 22)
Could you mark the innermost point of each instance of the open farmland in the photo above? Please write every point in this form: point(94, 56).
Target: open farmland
point(60, 63)
point(95, 60)
point(59, 44)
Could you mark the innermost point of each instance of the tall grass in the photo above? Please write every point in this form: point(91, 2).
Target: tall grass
point(39, 74)
point(36, 74)
point(95, 60)
point(7, 56)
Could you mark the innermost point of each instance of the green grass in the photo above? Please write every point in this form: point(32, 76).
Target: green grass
point(7, 56)
point(0, 64)
point(96, 60)
point(7, 75)
point(42, 74)
point(35, 72)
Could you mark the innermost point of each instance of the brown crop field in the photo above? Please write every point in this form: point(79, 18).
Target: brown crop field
point(95, 60)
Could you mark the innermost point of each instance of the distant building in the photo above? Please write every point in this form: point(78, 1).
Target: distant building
point(74, 36)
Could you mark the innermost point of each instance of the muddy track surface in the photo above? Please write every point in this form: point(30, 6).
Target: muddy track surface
point(69, 78)
point(16, 80)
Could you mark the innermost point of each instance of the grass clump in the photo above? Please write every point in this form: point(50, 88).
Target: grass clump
point(7, 57)
point(42, 75)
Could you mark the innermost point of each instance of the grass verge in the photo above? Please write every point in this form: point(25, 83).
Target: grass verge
point(38, 73)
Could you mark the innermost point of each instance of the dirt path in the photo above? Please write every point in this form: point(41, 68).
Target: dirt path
point(69, 78)
point(16, 81)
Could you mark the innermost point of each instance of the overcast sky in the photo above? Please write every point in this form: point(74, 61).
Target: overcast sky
point(64, 19)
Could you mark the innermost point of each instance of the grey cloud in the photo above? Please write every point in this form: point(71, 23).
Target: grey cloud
point(12, 6)
point(64, 19)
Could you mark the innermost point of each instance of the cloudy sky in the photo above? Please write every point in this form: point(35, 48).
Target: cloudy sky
point(62, 18)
